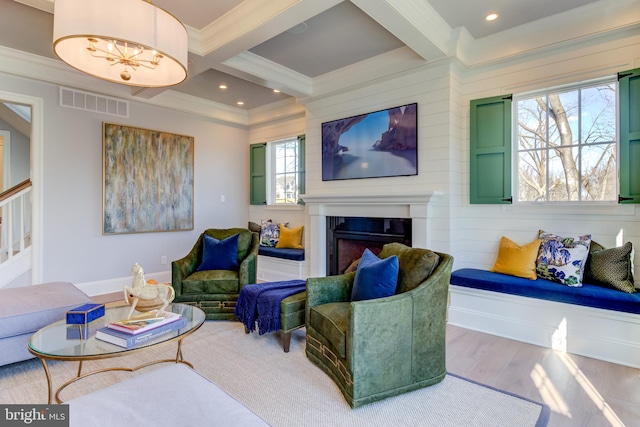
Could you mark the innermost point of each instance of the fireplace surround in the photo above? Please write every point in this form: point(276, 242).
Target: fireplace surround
point(348, 237)
point(416, 206)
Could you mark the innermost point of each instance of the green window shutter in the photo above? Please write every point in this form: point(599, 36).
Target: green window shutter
point(629, 155)
point(490, 139)
point(301, 169)
point(258, 174)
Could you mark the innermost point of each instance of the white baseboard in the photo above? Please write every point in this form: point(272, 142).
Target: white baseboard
point(606, 335)
point(272, 269)
point(109, 286)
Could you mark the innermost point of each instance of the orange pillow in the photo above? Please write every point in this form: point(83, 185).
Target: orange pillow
point(516, 260)
point(290, 238)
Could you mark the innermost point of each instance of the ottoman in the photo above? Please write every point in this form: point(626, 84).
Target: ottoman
point(292, 316)
point(173, 395)
point(25, 310)
point(291, 296)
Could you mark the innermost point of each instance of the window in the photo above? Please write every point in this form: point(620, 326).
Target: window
point(575, 144)
point(277, 172)
point(284, 172)
point(566, 144)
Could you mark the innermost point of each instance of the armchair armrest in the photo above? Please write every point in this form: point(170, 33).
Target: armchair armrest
point(323, 290)
point(182, 268)
point(249, 266)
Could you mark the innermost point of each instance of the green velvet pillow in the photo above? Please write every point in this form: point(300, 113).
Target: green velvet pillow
point(416, 264)
point(610, 267)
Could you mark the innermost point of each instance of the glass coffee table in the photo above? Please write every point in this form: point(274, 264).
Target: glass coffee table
point(60, 341)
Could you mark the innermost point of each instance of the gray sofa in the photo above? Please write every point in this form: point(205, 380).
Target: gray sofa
point(26, 309)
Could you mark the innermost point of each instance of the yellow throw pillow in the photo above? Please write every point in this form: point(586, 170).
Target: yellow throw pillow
point(290, 238)
point(516, 260)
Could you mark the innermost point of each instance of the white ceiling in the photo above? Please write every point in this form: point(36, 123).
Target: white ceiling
point(255, 46)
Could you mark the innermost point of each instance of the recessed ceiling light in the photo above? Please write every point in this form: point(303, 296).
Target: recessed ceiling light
point(222, 86)
point(240, 103)
point(491, 17)
point(276, 91)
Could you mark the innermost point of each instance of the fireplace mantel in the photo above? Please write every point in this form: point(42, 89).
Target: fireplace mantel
point(341, 199)
point(398, 205)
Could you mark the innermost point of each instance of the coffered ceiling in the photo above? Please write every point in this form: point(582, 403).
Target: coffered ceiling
point(300, 47)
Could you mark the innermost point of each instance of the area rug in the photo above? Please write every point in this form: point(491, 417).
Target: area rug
point(286, 389)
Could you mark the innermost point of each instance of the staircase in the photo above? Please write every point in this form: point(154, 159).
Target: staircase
point(15, 232)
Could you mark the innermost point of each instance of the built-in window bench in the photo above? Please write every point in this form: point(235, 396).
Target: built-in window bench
point(590, 320)
point(280, 264)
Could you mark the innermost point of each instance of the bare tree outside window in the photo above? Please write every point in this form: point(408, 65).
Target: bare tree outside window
point(567, 145)
point(286, 171)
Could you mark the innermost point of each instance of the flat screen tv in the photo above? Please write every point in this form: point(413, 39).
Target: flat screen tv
point(379, 144)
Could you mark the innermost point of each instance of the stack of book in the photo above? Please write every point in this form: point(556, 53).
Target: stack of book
point(141, 328)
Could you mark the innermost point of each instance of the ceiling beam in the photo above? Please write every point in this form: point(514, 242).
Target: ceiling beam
point(267, 73)
point(414, 22)
point(223, 44)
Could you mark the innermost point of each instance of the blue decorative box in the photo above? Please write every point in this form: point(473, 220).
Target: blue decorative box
point(84, 314)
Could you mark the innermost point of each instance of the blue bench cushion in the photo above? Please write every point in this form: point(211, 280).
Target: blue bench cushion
point(586, 295)
point(290, 254)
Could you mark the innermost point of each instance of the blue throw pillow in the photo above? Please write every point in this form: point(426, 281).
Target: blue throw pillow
point(375, 277)
point(219, 254)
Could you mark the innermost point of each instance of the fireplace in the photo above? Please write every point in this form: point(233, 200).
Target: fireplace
point(348, 237)
point(414, 206)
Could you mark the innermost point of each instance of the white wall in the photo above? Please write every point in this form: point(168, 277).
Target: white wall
point(481, 226)
point(74, 248)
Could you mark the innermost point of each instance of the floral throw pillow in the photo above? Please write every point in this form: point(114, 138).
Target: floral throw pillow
point(269, 233)
point(562, 259)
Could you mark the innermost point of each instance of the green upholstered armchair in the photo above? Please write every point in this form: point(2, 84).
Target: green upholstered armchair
point(378, 348)
point(216, 291)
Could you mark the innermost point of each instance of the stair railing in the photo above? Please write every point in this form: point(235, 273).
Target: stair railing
point(15, 221)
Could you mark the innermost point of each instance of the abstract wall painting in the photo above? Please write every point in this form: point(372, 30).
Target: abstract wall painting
point(147, 180)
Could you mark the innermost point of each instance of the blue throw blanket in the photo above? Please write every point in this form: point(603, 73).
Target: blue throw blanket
point(262, 300)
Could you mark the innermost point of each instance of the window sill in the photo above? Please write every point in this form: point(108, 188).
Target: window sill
point(571, 209)
point(284, 207)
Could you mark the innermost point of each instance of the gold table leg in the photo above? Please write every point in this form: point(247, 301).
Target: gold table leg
point(178, 359)
point(48, 374)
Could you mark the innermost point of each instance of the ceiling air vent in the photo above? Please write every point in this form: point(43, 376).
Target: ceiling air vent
point(88, 101)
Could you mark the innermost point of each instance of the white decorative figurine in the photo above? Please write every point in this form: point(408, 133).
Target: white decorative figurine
point(140, 290)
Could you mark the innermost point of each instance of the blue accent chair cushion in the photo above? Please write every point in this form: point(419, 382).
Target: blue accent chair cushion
point(587, 295)
point(283, 253)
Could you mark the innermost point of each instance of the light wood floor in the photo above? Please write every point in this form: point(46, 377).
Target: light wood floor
point(579, 390)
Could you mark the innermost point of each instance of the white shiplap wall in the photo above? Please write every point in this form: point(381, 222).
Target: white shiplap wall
point(430, 88)
point(481, 226)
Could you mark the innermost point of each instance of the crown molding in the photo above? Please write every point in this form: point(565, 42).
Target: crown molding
point(277, 111)
point(586, 23)
point(363, 73)
point(271, 74)
point(26, 65)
